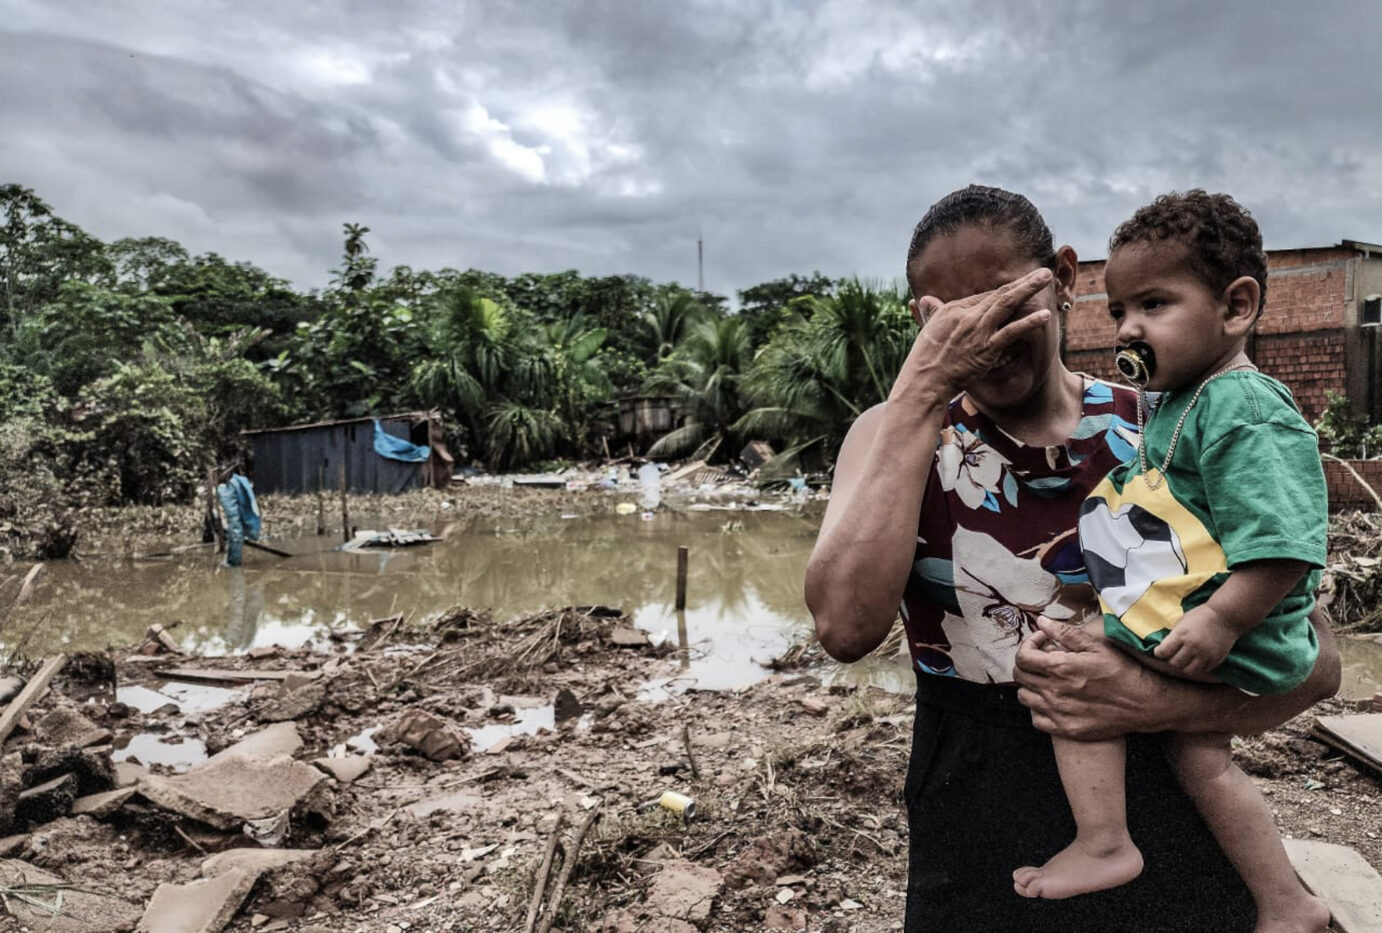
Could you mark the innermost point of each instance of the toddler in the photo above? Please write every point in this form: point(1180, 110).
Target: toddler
point(1205, 550)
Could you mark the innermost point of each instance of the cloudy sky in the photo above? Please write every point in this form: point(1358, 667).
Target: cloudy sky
point(535, 135)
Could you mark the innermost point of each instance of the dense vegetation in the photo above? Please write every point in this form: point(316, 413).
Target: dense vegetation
point(129, 368)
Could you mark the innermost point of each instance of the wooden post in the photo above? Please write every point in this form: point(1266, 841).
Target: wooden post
point(681, 577)
point(683, 641)
point(345, 509)
point(321, 498)
point(213, 512)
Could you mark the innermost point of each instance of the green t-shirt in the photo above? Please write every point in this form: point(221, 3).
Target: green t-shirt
point(1245, 484)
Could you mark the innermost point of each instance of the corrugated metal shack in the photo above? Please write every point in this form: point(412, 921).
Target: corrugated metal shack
point(291, 459)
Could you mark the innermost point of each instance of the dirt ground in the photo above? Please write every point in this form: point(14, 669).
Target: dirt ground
point(796, 787)
point(483, 740)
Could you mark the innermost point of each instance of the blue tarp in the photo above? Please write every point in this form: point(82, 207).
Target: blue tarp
point(242, 516)
point(396, 448)
point(249, 507)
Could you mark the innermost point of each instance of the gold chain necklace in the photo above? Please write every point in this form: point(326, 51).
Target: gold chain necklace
point(1175, 435)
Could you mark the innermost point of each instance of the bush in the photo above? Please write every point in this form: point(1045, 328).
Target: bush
point(1346, 434)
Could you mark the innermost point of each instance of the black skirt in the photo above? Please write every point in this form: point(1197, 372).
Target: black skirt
point(983, 798)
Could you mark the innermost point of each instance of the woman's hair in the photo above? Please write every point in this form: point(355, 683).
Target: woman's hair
point(1221, 240)
point(991, 207)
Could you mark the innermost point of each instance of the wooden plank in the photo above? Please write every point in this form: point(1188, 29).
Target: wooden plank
point(1359, 736)
point(31, 692)
point(261, 546)
point(1341, 878)
point(202, 673)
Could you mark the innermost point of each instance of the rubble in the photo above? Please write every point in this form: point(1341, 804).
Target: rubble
point(204, 906)
point(366, 809)
point(229, 792)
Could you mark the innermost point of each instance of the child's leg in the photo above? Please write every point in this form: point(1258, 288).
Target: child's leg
point(1238, 816)
point(1102, 855)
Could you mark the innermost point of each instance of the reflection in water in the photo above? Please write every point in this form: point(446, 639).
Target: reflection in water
point(744, 590)
point(148, 748)
point(744, 586)
point(190, 699)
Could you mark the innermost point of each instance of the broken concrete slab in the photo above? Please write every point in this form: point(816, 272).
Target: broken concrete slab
point(347, 768)
point(204, 906)
point(255, 861)
point(1343, 879)
point(229, 792)
point(104, 804)
point(81, 911)
point(685, 891)
point(66, 726)
point(279, 739)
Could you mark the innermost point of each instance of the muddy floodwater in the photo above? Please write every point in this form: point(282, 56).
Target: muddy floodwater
point(744, 590)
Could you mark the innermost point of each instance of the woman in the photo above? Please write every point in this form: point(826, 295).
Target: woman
point(957, 500)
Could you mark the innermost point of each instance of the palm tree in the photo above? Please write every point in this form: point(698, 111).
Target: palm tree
point(816, 376)
point(579, 382)
point(491, 375)
point(703, 375)
point(670, 319)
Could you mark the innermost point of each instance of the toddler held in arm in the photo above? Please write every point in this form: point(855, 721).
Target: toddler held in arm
point(1205, 550)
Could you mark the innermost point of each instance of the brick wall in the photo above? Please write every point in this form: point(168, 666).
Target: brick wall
point(1310, 364)
point(1300, 336)
point(1345, 492)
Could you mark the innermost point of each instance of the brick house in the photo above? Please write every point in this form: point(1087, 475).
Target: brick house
point(1319, 331)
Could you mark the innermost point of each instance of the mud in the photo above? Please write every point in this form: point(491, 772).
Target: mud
point(797, 786)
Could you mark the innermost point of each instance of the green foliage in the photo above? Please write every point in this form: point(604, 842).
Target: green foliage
point(818, 374)
point(126, 368)
point(143, 425)
point(1347, 434)
point(82, 334)
point(39, 253)
point(770, 306)
point(39, 492)
point(703, 375)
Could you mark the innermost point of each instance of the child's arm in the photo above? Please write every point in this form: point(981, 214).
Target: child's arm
point(1204, 636)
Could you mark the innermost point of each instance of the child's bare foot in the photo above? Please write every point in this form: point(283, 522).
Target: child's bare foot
point(1076, 870)
point(1305, 914)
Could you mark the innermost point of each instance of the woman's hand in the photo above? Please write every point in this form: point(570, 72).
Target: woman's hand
point(962, 340)
point(1080, 686)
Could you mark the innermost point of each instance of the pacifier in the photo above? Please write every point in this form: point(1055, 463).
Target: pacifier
point(1136, 362)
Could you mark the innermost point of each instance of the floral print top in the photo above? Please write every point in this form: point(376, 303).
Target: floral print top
point(997, 543)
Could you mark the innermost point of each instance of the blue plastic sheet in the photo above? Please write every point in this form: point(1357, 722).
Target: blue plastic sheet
point(396, 448)
point(241, 512)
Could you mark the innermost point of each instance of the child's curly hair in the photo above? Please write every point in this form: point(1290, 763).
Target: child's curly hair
point(1221, 238)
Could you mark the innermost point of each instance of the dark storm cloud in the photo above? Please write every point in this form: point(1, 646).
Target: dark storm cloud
point(606, 135)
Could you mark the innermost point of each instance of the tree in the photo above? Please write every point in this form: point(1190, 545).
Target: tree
point(580, 384)
point(769, 306)
point(818, 374)
point(703, 375)
point(670, 319)
point(39, 252)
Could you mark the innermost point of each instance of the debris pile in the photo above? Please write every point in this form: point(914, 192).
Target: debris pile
point(469, 773)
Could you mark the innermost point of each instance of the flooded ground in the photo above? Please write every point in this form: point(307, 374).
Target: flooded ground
point(744, 590)
point(744, 587)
